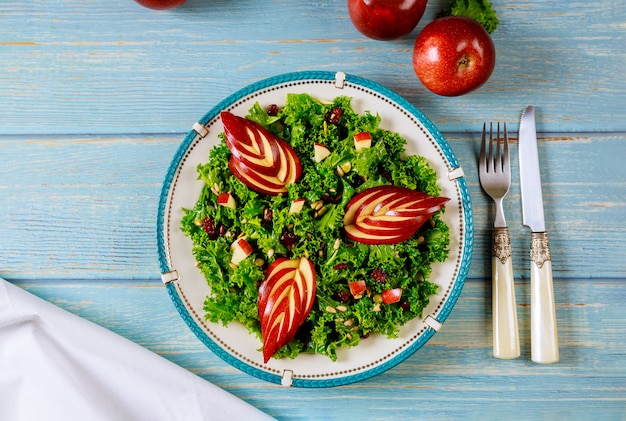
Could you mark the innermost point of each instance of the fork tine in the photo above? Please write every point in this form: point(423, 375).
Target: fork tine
point(507, 160)
point(498, 157)
point(482, 160)
point(490, 166)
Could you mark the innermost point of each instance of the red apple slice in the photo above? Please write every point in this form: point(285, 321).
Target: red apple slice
point(251, 143)
point(285, 168)
point(391, 296)
point(367, 209)
point(417, 202)
point(277, 268)
point(355, 234)
point(278, 278)
point(293, 164)
point(358, 200)
point(388, 214)
point(308, 278)
point(263, 183)
point(243, 137)
point(377, 227)
point(286, 297)
point(424, 207)
point(397, 202)
point(260, 159)
point(254, 180)
point(393, 221)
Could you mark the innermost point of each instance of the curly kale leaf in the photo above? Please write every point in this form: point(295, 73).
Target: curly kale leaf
point(479, 10)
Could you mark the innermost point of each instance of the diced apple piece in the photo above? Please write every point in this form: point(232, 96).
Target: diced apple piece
point(241, 249)
point(391, 296)
point(362, 140)
point(296, 206)
point(357, 288)
point(227, 200)
point(320, 152)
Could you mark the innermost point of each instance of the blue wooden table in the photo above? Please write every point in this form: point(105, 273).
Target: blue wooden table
point(95, 98)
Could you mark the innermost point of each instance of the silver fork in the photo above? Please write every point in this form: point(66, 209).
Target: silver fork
point(494, 168)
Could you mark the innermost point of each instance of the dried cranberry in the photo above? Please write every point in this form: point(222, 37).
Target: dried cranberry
point(340, 266)
point(333, 116)
point(405, 306)
point(386, 175)
point(288, 238)
point(268, 216)
point(343, 296)
point(357, 181)
point(208, 225)
point(273, 110)
point(221, 230)
point(379, 276)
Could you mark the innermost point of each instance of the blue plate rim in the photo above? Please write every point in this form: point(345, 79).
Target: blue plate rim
point(466, 209)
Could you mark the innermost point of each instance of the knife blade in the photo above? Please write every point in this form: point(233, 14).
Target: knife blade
point(543, 328)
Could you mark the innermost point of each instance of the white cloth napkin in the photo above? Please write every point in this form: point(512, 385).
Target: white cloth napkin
point(57, 366)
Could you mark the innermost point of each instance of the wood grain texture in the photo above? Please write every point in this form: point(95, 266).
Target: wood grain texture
point(454, 376)
point(95, 98)
point(93, 67)
point(86, 207)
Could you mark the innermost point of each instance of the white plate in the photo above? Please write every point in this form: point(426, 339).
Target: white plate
point(188, 288)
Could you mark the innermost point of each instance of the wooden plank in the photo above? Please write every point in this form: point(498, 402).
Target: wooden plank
point(454, 376)
point(94, 67)
point(85, 207)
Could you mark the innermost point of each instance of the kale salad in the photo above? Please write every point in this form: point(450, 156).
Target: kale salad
point(307, 221)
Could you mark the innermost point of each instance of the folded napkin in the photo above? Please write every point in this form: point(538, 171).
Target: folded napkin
point(57, 366)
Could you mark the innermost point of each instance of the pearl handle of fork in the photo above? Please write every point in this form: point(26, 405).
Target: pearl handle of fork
point(505, 329)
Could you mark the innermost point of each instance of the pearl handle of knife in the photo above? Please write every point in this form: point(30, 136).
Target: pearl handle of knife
point(505, 329)
point(543, 329)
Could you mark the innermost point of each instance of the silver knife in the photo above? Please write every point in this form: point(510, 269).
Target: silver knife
point(543, 330)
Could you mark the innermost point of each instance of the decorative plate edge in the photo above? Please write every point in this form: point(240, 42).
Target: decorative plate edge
point(458, 282)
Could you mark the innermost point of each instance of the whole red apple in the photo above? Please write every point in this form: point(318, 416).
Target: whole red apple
point(453, 56)
point(160, 4)
point(386, 19)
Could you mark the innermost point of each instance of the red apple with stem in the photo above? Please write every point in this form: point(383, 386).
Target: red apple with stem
point(453, 55)
point(386, 20)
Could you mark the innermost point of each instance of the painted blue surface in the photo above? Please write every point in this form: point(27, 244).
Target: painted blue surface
point(96, 97)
